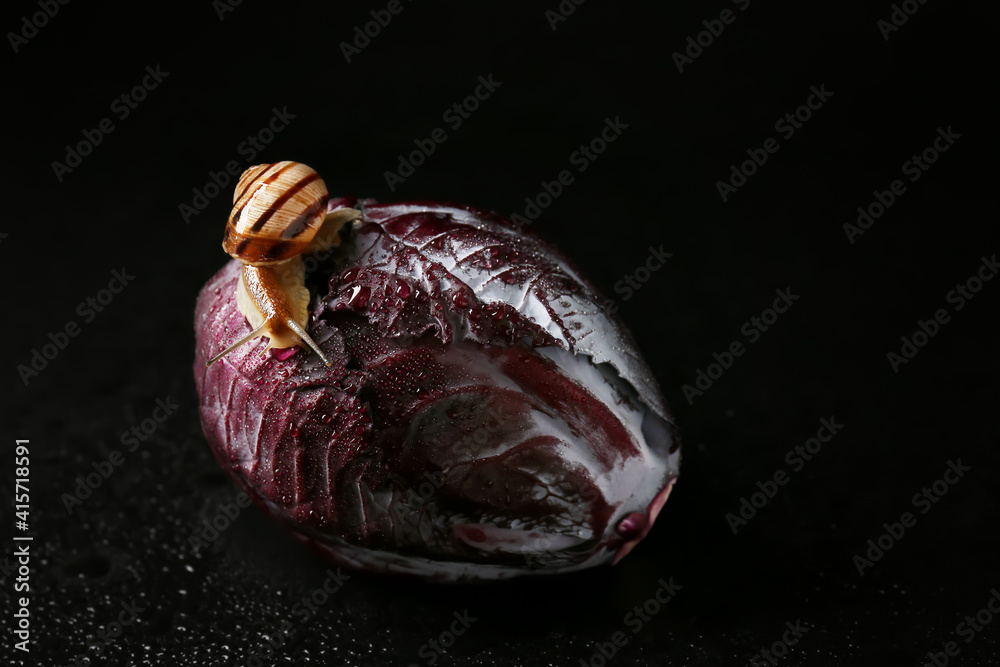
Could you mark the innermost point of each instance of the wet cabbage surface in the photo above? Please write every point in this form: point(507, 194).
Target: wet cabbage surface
point(484, 416)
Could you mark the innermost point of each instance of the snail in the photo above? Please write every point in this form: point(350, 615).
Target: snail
point(279, 214)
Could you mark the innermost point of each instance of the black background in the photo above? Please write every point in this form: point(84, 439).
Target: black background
point(655, 185)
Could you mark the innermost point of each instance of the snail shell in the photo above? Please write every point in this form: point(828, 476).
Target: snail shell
point(277, 210)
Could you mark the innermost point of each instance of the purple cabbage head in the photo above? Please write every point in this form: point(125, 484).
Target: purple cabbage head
point(484, 417)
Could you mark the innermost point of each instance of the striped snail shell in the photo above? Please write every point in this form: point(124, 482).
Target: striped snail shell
point(277, 210)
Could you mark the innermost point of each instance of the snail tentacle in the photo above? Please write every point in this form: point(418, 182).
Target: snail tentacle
point(294, 326)
point(250, 336)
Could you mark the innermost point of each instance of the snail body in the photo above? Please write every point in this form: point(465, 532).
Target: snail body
point(279, 213)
